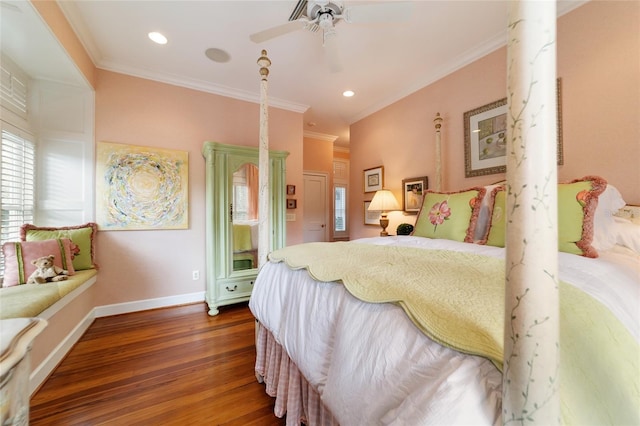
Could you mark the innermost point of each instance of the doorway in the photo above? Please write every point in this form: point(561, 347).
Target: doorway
point(316, 214)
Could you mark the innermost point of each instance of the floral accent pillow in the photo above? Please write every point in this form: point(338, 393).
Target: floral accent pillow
point(577, 202)
point(449, 215)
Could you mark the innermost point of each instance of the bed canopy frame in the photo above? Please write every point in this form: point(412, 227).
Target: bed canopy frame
point(530, 390)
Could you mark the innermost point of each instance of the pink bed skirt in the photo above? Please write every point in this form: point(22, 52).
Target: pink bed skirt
point(294, 396)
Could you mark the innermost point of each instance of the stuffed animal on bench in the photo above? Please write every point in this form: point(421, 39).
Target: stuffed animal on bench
point(46, 271)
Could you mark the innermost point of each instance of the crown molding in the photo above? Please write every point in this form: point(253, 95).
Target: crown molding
point(203, 86)
point(320, 136)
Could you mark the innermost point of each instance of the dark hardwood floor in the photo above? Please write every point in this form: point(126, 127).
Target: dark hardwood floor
point(173, 366)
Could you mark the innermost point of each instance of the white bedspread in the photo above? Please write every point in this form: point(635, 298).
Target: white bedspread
point(372, 366)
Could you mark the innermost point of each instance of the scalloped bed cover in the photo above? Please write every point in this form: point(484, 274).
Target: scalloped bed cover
point(394, 374)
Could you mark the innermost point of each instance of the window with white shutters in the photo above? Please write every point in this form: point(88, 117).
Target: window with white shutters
point(340, 209)
point(17, 172)
point(340, 198)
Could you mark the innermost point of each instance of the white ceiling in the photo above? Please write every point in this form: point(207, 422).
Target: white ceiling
point(382, 62)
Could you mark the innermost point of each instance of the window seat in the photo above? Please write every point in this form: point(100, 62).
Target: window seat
point(34, 300)
point(68, 308)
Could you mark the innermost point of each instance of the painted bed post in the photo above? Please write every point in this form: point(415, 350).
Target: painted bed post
point(438, 123)
point(264, 233)
point(531, 342)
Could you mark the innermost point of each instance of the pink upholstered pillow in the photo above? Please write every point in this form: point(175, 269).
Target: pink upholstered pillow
point(19, 254)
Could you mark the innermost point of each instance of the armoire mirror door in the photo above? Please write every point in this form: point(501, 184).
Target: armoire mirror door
point(244, 217)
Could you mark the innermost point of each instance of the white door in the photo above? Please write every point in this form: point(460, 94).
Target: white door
point(315, 208)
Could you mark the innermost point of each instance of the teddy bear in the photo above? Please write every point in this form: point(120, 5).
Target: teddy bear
point(46, 271)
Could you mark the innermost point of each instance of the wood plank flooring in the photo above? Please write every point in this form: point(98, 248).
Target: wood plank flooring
point(173, 366)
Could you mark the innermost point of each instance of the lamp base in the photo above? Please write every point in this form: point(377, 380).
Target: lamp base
point(384, 222)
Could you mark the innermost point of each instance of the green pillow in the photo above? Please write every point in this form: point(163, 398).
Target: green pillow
point(82, 236)
point(449, 215)
point(577, 202)
point(498, 224)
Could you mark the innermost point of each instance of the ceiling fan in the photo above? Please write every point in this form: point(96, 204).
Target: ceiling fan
point(324, 15)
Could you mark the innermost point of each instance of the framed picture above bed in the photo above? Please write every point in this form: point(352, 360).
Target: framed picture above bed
point(412, 192)
point(373, 179)
point(485, 137)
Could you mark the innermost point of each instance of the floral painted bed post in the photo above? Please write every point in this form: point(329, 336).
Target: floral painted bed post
point(264, 234)
point(531, 346)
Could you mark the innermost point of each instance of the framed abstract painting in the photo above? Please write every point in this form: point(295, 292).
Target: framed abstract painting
point(140, 187)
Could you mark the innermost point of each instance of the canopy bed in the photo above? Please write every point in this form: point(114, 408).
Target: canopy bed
point(511, 303)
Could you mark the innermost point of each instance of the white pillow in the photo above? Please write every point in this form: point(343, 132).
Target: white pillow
point(604, 225)
point(627, 233)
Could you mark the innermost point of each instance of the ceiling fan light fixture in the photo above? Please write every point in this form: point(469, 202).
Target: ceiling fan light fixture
point(157, 37)
point(325, 20)
point(348, 93)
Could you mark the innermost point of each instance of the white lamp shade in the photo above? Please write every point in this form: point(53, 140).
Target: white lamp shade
point(384, 201)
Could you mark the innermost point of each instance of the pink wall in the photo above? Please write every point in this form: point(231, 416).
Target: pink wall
point(598, 61)
point(318, 155)
point(137, 265)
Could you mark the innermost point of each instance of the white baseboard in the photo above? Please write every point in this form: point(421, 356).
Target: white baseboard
point(46, 367)
point(143, 305)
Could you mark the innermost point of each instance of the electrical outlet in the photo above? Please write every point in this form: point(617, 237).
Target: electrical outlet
point(196, 275)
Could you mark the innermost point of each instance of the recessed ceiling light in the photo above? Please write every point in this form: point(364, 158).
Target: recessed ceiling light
point(348, 93)
point(157, 37)
point(217, 55)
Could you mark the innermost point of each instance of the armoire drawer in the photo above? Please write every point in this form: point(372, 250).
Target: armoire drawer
point(228, 290)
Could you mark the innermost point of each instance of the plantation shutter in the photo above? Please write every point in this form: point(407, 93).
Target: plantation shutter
point(13, 90)
point(17, 171)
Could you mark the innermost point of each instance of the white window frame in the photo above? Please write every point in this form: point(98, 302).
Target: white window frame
point(17, 182)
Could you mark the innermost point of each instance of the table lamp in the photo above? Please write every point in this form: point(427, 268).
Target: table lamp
point(384, 201)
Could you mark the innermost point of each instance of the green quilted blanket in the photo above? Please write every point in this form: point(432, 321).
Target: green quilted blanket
point(457, 299)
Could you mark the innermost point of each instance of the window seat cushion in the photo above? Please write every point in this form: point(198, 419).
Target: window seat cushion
point(30, 300)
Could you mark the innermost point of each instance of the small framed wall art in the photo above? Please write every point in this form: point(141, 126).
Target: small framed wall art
point(373, 179)
point(291, 204)
point(413, 190)
point(291, 190)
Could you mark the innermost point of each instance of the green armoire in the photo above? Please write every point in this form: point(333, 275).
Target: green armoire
point(231, 174)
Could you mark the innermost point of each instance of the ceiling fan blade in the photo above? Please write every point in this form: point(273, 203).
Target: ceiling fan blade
point(279, 30)
point(332, 51)
point(397, 11)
